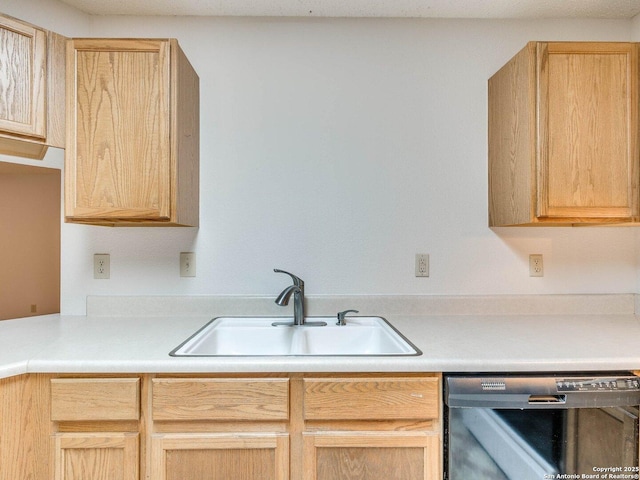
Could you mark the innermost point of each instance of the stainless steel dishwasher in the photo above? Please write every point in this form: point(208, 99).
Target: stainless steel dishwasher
point(538, 427)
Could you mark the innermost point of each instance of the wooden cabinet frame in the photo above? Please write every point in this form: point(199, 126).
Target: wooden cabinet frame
point(371, 425)
point(34, 114)
point(132, 155)
point(277, 434)
point(342, 442)
point(29, 96)
point(275, 446)
point(95, 427)
point(114, 455)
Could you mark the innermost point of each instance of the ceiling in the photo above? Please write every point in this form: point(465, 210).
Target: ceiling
point(368, 8)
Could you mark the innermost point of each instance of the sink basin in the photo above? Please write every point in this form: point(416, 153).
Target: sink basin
point(225, 337)
point(256, 336)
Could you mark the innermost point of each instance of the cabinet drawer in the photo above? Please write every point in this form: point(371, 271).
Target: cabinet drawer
point(384, 398)
point(83, 399)
point(220, 399)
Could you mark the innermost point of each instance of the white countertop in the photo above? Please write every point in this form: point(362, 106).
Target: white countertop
point(450, 343)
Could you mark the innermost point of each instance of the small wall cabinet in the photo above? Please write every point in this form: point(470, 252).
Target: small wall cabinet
point(32, 91)
point(132, 154)
point(563, 135)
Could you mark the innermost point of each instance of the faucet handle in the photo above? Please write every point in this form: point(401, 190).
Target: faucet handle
point(296, 281)
point(342, 315)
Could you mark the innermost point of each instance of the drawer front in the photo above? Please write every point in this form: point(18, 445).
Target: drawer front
point(384, 398)
point(100, 399)
point(220, 399)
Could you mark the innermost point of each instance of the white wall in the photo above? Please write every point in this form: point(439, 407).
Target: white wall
point(339, 148)
point(635, 28)
point(51, 14)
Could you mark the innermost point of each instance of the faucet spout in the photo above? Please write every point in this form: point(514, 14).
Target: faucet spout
point(297, 290)
point(285, 295)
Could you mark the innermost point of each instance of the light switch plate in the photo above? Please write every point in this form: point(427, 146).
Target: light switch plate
point(187, 264)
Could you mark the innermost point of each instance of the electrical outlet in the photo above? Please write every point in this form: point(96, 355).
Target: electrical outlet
point(187, 264)
point(536, 268)
point(101, 266)
point(422, 264)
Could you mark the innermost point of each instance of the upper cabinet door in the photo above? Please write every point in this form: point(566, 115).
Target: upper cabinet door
point(587, 152)
point(22, 79)
point(118, 147)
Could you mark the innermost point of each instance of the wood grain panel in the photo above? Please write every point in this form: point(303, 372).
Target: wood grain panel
point(24, 428)
point(370, 463)
point(220, 457)
point(372, 456)
point(22, 148)
point(185, 155)
point(96, 456)
point(512, 127)
point(56, 87)
point(220, 399)
point(587, 103)
point(371, 399)
point(132, 145)
point(85, 399)
point(122, 132)
point(23, 70)
point(563, 135)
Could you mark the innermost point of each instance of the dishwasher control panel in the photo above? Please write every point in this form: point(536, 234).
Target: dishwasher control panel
point(597, 384)
point(562, 390)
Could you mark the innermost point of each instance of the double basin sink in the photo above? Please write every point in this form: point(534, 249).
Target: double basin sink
point(257, 336)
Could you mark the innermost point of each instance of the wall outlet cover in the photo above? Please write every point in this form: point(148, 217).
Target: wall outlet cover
point(101, 266)
point(422, 264)
point(536, 267)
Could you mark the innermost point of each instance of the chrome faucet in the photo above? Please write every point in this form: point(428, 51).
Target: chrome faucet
point(297, 290)
point(342, 321)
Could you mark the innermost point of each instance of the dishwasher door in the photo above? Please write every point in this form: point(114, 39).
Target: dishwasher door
point(551, 430)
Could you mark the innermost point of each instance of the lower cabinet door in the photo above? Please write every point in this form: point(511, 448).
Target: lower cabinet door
point(246, 456)
point(371, 456)
point(96, 456)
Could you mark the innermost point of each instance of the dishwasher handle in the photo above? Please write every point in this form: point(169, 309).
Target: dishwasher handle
point(547, 399)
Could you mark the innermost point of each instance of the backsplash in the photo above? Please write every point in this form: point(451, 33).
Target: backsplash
point(217, 305)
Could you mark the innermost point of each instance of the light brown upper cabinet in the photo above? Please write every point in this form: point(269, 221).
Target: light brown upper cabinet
point(563, 135)
point(132, 154)
point(31, 89)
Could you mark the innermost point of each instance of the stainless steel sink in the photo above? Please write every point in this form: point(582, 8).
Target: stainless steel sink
point(257, 336)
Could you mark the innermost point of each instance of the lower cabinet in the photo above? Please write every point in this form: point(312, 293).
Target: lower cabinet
point(96, 456)
point(372, 428)
point(24, 428)
point(95, 428)
point(258, 427)
point(220, 428)
point(220, 456)
point(371, 456)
